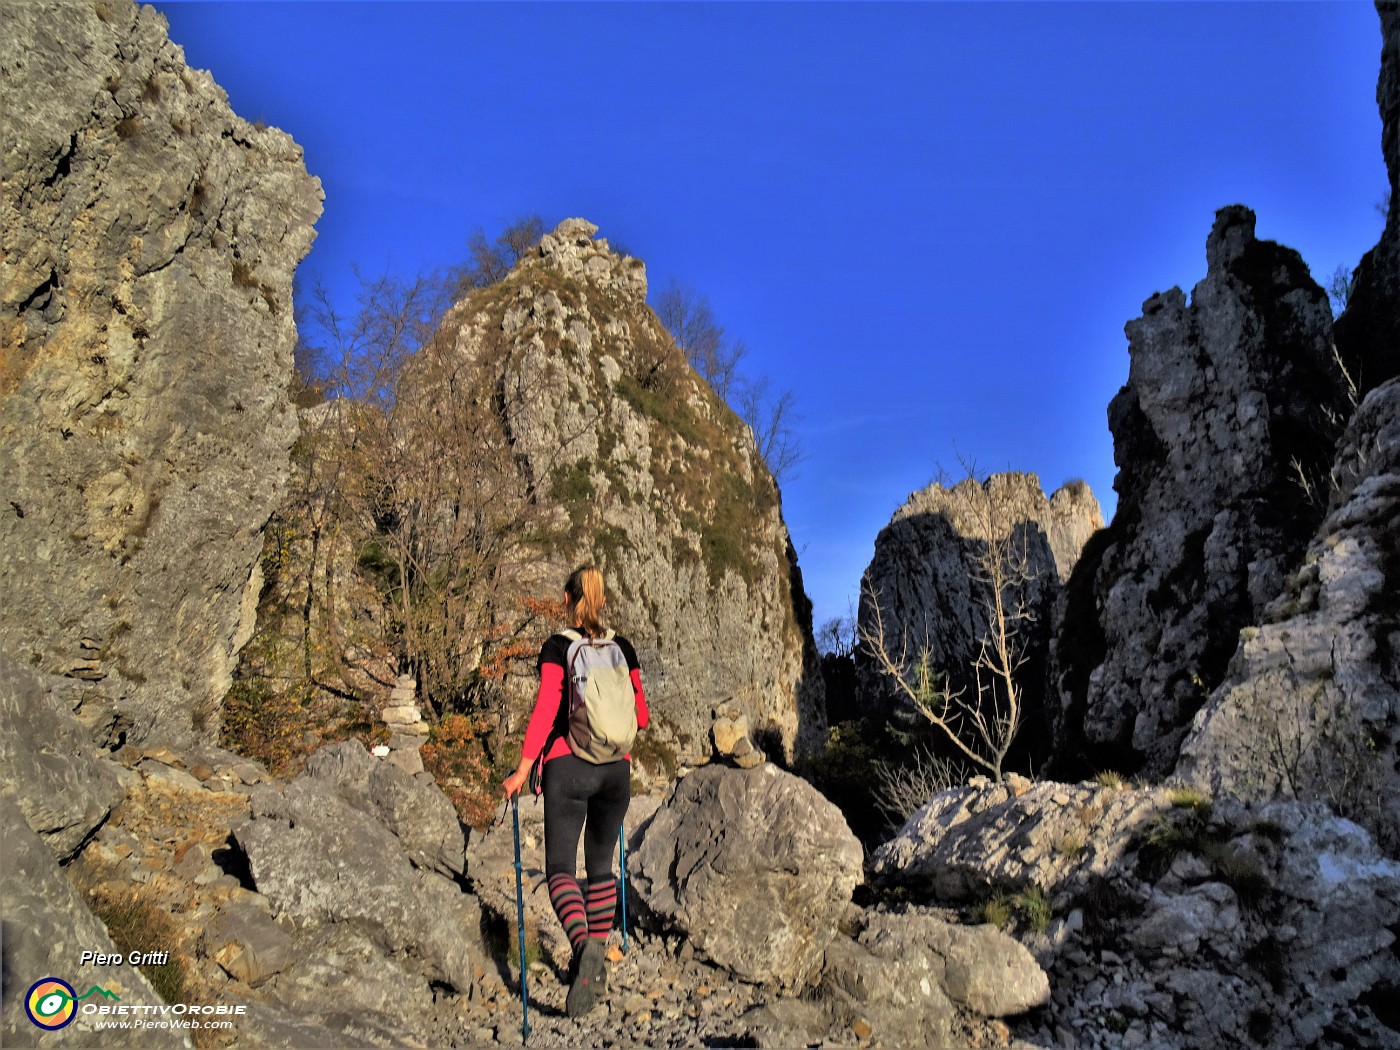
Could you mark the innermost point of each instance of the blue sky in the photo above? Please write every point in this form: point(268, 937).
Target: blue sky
point(929, 221)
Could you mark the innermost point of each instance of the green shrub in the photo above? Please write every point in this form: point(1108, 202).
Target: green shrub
point(846, 772)
point(1192, 799)
point(1103, 903)
point(653, 753)
point(1268, 829)
point(1241, 874)
point(573, 487)
point(1111, 779)
point(1033, 907)
point(1072, 845)
point(1269, 958)
point(1029, 905)
point(1186, 829)
point(1115, 1022)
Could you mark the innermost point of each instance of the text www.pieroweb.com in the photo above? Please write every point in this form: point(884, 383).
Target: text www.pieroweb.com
point(180, 1017)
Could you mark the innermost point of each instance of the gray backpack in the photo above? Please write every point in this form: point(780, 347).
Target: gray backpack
point(602, 709)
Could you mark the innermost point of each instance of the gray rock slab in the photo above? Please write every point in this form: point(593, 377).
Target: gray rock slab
point(51, 766)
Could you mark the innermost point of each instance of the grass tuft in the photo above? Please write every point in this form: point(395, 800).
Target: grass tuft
point(137, 924)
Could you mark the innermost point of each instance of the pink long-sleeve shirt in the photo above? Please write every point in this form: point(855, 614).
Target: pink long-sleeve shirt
point(551, 695)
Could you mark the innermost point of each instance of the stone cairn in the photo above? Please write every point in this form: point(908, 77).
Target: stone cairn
point(730, 734)
point(407, 730)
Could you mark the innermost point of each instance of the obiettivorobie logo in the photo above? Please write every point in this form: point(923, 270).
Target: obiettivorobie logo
point(52, 1004)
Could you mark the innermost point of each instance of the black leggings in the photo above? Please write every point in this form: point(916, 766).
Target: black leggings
point(575, 791)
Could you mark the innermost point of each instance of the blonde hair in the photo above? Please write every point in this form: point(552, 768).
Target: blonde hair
point(584, 590)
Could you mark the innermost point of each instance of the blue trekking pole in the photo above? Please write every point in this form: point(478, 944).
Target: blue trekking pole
point(520, 925)
point(622, 889)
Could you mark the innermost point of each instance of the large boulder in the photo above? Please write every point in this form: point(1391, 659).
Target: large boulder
point(968, 843)
point(1311, 708)
point(409, 805)
point(321, 857)
point(148, 238)
point(907, 974)
point(1229, 412)
point(753, 867)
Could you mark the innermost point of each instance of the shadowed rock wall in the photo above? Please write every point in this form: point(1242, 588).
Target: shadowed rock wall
point(1232, 400)
point(1311, 708)
point(1368, 332)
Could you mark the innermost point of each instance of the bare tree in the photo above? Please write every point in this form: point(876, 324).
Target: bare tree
point(412, 460)
point(983, 725)
point(351, 363)
point(771, 418)
point(491, 260)
point(901, 790)
point(691, 321)
point(1339, 287)
point(837, 636)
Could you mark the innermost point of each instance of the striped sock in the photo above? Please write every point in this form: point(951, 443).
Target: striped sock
point(567, 899)
point(602, 907)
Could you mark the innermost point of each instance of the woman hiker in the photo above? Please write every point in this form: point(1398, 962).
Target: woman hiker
point(587, 776)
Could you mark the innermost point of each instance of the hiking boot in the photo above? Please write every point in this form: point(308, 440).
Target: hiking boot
point(588, 979)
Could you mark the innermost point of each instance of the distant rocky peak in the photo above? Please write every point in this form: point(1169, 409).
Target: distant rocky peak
point(573, 250)
point(1231, 234)
point(1004, 503)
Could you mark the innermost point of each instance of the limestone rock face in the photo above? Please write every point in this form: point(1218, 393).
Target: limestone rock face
point(753, 867)
point(147, 242)
point(650, 475)
point(1231, 401)
point(1311, 704)
point(1311, 707)
point(925, 575)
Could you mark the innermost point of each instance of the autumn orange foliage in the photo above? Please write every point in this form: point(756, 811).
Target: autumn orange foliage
point(456, 757)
